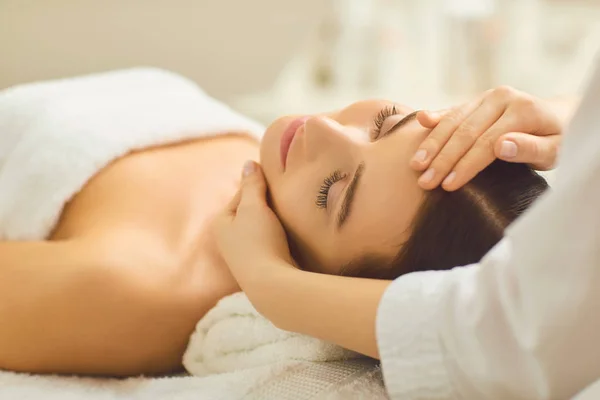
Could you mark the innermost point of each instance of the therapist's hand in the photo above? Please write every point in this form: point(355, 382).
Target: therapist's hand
point(254, 246)
point(502, 123)
point(249, 235)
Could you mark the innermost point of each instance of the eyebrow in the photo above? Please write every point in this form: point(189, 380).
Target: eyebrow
point(349, 196)
point(400, 124)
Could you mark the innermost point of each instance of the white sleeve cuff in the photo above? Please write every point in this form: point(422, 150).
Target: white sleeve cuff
point(410, 348)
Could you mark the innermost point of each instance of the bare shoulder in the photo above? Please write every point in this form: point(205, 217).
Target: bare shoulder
point(159, 188)
point(149, 214)
point(154, 208)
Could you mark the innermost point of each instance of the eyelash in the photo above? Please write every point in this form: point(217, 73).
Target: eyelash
point(323, 194)
point(337, 175)
point(380, 118)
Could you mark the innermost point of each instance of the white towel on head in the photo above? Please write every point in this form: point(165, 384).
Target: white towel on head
point(234, 336)
point(56, 135)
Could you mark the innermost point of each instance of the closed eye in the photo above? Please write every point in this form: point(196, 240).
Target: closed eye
point(398, 125)
point(380, 118)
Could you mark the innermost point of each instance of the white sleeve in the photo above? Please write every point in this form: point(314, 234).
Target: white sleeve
point(524, 323)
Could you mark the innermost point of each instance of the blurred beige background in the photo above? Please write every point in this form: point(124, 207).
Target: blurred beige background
point(272, 57)
point(229, 46)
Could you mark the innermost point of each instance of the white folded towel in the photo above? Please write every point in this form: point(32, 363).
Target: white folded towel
point(233, 336)
point(55, 135)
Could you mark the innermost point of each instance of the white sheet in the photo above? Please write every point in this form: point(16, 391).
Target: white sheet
point(357, 379)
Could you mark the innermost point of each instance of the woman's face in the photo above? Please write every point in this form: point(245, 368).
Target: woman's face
point(340, 182)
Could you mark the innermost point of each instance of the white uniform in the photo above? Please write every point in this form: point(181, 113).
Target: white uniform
point(524, 323)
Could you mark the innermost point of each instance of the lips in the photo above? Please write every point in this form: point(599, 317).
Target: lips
point(288, 137)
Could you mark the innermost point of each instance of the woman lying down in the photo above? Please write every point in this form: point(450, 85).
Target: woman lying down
point(117, 282)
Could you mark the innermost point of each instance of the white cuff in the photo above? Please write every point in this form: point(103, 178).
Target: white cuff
point(411, 353)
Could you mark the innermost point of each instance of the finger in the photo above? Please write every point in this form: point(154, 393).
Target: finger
point(535, 117)
point(438, 137)
point(429, 119)
point(541, 152)
point(254, 186)
point(479, 156)
point(474, 128)
point(539, 148)
point(467, 168)
point(234, 203)
point(222, 221)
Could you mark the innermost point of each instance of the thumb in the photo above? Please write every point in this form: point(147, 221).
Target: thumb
point(254, 186)
point(540, 152)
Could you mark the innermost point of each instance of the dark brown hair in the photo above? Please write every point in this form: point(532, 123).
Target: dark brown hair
point(458, 228)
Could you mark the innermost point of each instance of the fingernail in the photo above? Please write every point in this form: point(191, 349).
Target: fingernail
point(427, 176)
point(248, 168)
point(508, 149)
point(420, 156)
point(450, 178)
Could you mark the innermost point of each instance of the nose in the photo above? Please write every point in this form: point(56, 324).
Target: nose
point(324, 134)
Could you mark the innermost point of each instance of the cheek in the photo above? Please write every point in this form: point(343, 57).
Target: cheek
point(299, 218)
point(288, 202)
